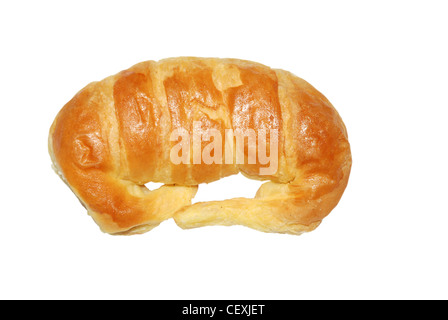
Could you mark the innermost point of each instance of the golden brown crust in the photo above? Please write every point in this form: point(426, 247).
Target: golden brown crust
point(114, 136)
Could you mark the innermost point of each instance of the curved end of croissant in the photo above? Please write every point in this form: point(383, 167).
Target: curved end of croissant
point(79, 146)
point(290, 208)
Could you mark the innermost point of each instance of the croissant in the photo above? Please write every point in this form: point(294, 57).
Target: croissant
point(186, 121)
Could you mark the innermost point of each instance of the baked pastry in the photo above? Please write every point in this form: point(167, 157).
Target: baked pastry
point(118, 134)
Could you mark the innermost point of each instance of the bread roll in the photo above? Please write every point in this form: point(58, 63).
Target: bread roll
point(139, 125)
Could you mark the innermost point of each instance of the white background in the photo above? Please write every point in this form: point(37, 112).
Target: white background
point(383, 64)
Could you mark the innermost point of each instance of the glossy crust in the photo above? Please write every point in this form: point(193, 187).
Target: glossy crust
point(114, 136)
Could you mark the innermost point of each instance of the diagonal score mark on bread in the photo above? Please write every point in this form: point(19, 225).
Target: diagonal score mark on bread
point(114, 136)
